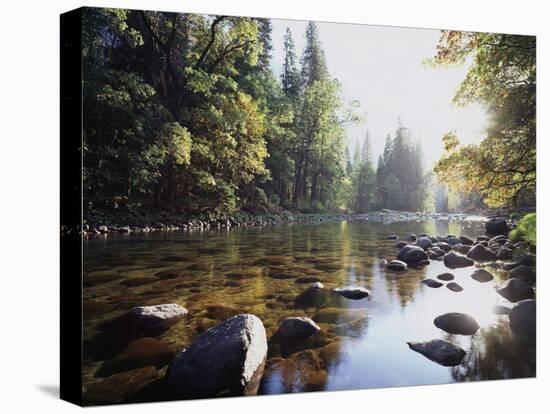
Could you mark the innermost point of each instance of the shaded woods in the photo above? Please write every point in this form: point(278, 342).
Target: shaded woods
point(185, 112)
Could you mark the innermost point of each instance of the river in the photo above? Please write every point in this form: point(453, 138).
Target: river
point(362, 344)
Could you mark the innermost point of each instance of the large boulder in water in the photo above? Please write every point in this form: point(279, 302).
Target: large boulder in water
point(523, 273)
point(412, 254)
point(480, 253)
point(523, 318)
point(437, 350)
point(515, 290)
point(227, 359)
point(496, 226)
point(457, 323)
point(453, 260)
point(297, 327)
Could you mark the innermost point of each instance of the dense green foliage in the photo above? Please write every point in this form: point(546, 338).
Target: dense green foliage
point(502, 168)
point(526, 229)
point(184, 111)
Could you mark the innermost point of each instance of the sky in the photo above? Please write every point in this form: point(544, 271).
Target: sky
point(382, 67)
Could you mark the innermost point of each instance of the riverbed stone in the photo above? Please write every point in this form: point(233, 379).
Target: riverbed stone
point(462, 248)
point(412, 254)
point(443, 352)
point(505, 254)
point(119, 387)
point(454, 260)
point(139, 281)
point(157, 316)
point(431, 283)
point(482, 276)
point(424, 243)
point(523, 318)
point(227, 359)
point(400, 244)
point(457, 323)
point(297, 327)
point(352, 292)
point(443, 246)
point(480, 253)
point(515, 290)
point(523, 273)
point(455, 287)
point(391, 237)
point(317, 285)
point(452, 240)
point(338, 315)
point(140, 353)
point(466, 240)
point(397, 266)
point(445, 276)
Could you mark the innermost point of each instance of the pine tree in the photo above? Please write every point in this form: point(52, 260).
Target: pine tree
point(290, 78)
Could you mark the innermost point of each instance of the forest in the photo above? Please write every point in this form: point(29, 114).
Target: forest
point(185, 112)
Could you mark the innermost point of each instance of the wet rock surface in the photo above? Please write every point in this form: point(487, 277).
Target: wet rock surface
point(443, 352)
point(515, 290)
point(227, 359)
point(297, 327)
point(482, 276)
point(454, 261)
point(457, 323)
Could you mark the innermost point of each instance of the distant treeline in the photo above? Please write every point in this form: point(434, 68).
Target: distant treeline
point(184, 111)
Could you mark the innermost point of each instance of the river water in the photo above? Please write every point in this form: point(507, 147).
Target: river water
point(362, 344)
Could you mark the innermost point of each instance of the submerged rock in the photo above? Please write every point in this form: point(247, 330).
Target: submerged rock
point(453, 260)
point(437, 350)
point(139, 353)
point(515, 290)
point(523, 318)
point(523, 273)
point(352, 292)
point(391, 237)
point(431, 283)
point(397, 266)
point(297, 327)
point(457, 323)
point(482, 276)
point(455, 287)
point(338, 315)
point(157, 316)
point(480, 253)
point(227, 359)
point(119, 387)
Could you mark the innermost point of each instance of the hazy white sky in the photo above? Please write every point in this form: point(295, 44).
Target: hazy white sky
point(382, 68)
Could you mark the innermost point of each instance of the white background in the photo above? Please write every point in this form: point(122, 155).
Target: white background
point(29, 191)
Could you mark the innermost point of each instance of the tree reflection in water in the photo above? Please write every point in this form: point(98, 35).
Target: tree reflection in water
point(497, 354)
